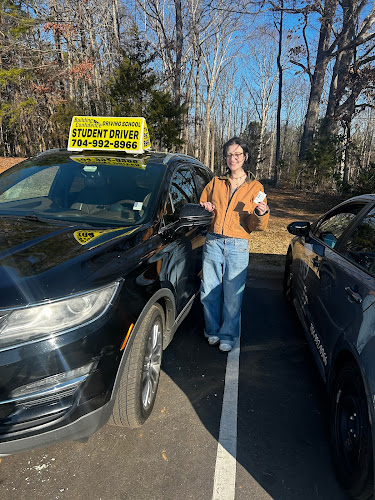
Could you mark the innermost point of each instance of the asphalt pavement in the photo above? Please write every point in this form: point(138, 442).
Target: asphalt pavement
point(282, 447)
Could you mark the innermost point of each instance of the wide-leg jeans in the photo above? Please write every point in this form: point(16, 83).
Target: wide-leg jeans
point(225, 262)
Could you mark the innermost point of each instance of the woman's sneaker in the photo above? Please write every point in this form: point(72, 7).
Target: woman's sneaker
point(213, 339)
point(225, 347)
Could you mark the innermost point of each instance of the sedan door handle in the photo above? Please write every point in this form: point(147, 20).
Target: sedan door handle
point(353, 295)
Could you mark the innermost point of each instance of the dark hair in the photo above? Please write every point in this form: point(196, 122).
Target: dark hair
point(244, 146)
point(235, 140)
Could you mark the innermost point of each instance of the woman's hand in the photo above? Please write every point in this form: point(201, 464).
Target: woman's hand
point(208, 206)
point(261, 208)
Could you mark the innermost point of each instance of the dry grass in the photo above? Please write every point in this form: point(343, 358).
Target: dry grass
point(268, 248)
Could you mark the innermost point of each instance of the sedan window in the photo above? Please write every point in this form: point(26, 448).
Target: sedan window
point(202, 178)
point(333, 226)
point(360, 245)
point(182, 191)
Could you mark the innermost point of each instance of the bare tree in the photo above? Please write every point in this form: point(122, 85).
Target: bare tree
point(323, 57)
point(279, 29)
point(218, 57)
point(340, 37)
point(260, 84)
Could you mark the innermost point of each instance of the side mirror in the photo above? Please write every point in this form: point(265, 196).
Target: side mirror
point(194, 215)
point(299, 228)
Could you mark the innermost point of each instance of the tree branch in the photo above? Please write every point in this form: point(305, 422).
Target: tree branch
point(305, 70)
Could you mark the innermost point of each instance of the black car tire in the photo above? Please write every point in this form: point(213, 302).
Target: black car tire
point(287, 282)
point(351, 433)
point(140, 379)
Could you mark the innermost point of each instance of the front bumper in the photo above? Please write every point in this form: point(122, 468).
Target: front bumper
point(61, 388)
point(81, 428)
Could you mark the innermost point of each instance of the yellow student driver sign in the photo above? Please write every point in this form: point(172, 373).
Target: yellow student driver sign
point(109, 134)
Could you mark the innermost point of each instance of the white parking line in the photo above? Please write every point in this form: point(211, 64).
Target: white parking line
point(225, 469)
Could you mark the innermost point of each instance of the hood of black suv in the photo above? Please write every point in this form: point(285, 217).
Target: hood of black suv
point(40, 260)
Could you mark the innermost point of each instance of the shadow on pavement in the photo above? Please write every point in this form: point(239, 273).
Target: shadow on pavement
point(283, 442)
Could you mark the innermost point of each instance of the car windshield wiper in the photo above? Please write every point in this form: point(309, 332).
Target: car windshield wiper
point(25, 217)
point(34, 217)
point(45, 220)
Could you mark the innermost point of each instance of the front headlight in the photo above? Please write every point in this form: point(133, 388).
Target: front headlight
point(32, 322)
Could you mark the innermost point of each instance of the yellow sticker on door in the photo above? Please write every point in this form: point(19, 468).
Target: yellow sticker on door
point(88, 235)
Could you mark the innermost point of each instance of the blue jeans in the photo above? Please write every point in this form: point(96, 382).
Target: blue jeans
point(225, 262)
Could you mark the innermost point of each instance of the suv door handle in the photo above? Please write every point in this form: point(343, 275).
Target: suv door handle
point(316, 262)
point(353, 295)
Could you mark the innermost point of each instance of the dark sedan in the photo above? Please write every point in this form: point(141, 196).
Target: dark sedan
point(100, 261)
point(330, 277)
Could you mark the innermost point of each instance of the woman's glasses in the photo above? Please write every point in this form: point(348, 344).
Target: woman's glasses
point(236, 156)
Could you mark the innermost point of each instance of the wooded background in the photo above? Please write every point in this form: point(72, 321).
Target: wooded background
point(294, 78)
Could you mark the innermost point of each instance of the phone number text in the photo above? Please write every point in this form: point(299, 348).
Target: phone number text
point(78, 143)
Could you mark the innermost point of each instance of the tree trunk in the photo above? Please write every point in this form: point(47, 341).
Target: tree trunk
point(346, 175)
point(59, 48)
point(260, 149)
point(179, 44)
point(207, 130)
point(197, 111)
point(212, 164)
point(322, 58)
point(272, 158)
point(116, 23)
point(278, 117)
point(343, 64)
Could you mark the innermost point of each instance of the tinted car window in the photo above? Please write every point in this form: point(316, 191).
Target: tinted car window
point(332, 227)
point(182, 191)
point(360, 245)
point(202, 178)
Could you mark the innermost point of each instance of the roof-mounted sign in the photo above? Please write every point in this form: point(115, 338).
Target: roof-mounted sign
point(109, 134)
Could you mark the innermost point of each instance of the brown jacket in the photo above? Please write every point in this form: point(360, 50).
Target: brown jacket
point(234, 215)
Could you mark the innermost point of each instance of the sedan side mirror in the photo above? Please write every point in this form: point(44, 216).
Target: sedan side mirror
point(299, 228)
point(193, 214)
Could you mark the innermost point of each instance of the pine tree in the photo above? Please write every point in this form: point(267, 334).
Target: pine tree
point(135, 90)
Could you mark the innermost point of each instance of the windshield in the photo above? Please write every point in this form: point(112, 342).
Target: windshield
point(93, 190)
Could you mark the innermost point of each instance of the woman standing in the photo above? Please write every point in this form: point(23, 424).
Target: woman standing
point(226, 252)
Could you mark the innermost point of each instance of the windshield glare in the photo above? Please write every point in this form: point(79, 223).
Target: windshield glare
point(102, 192)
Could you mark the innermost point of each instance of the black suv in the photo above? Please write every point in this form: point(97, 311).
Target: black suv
point(100, 261)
